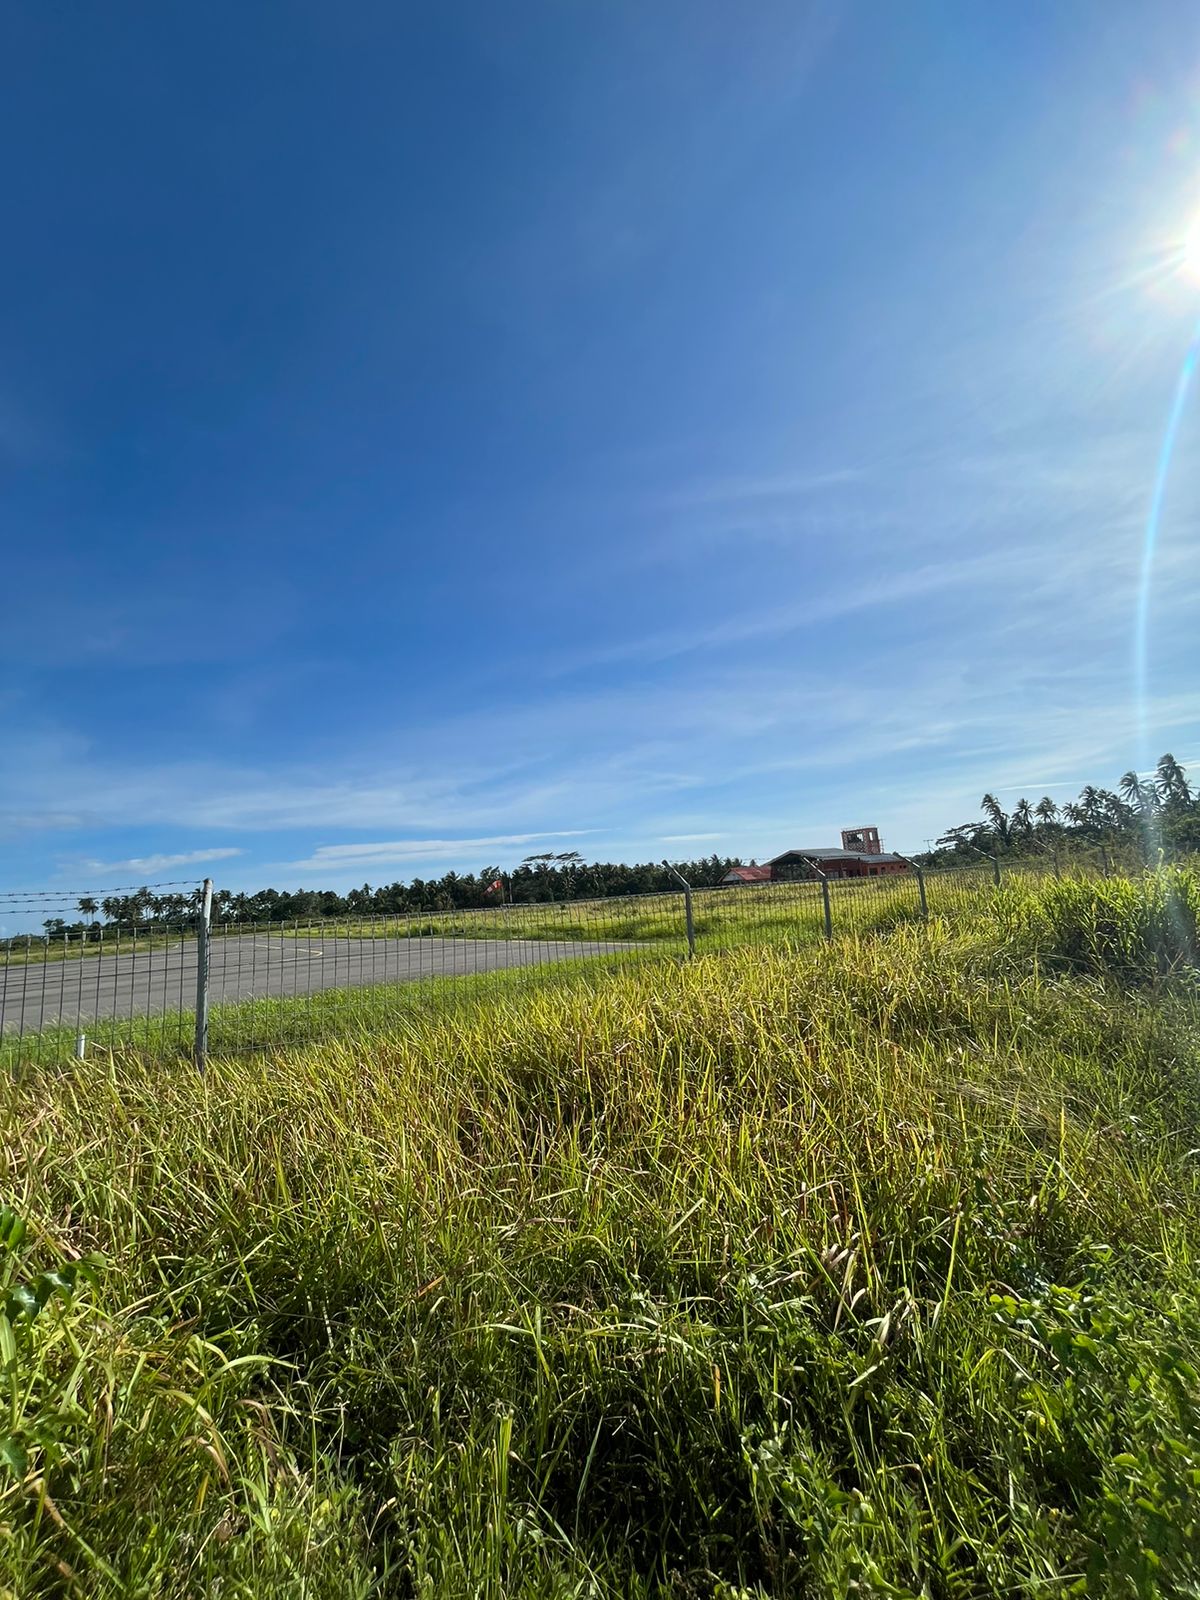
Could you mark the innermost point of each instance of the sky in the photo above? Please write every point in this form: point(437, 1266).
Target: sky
point(435, 434)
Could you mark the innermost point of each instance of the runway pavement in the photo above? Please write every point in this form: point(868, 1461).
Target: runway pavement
point(161, 978)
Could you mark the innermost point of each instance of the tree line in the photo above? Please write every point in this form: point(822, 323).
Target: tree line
point(1142, 817)
point(546, 877)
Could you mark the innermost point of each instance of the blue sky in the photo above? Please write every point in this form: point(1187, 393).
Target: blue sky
point(432, 433)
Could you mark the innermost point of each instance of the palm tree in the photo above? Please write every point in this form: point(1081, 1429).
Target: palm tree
point(1075, 814)
point(1091, 804)
point(88, 907)
point(1110, 810)
point(1172, 785)
point(1046, 811)
point(996, 816)
point(1135, 793)
point(1022, 817)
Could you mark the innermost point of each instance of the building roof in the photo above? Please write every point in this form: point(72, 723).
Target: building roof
point(825, 853)
point(747, 875)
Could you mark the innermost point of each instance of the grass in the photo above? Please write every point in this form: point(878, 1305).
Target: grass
point(865, 1268)
point(752, 914)
point(650, 928)
point(36, 951)
point(785, 913)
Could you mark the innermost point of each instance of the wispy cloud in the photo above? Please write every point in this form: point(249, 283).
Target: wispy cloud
point(400, 852)
point(762, 622)
point(754, 491)
point(661, 761)
point(145, 865)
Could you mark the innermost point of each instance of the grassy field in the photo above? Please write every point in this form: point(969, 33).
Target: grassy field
point(775, 913)
point(753, 914)
point(866, 1268)
point(788, 916)
point(33, 950)
point(358, 1014)
point(769, 914)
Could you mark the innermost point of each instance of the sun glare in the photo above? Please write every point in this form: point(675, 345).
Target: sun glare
point(1191, 251)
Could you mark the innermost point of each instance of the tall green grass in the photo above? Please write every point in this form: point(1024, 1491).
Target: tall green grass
point(869, 1268)
point(1140, 927)
point(597, 939)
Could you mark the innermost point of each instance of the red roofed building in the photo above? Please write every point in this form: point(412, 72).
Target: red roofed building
point(861, 856)
point(737, 875)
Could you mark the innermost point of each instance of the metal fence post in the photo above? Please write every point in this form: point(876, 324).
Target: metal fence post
point(203, 939)
point(828, 905)
point(987, 856)
point(687, 908)
point(920, 877)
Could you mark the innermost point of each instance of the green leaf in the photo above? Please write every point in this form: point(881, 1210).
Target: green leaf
point(13, 1455)
point(12, 1229)
point(60, 1282)
point(21, 1302)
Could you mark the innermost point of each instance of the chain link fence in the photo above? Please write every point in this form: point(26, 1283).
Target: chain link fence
point(183, 984)
point(186, 985)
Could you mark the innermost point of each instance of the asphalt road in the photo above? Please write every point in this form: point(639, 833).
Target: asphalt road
point(155, 981)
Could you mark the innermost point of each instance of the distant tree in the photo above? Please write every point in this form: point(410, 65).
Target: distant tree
point(1140, 796)
point(965, 840)
point(88, 907)
point(1091, 806)
point(997, 818)
point(541, 863)
point(1174, 792)
point(1112, 811)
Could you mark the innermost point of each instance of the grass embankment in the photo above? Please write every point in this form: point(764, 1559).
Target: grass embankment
point(782, 916)
point(868, 1270)
point(778, 913)
point(782, 913)
point(34, 951)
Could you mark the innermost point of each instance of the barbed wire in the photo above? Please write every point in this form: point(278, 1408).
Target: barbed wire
point(70, 915)
point(90, 894)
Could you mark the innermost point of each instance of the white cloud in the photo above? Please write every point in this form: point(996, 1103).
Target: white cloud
point(761, 622)
point(394, 852)
point(964, 664)
point(915, 735)
point(751, 491)
point(145, 865)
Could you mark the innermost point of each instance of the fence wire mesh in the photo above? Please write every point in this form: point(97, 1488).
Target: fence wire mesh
point(276, 983)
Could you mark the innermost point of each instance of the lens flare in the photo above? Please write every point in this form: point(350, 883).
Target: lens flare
point(1179, 401)
point(1191, 251)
